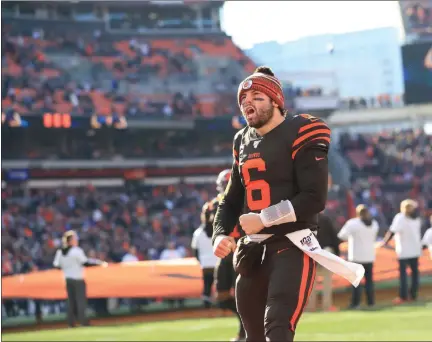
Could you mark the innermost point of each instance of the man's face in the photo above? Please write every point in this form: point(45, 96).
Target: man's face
point(366, 215)
point(409, 209)
point(257, 108)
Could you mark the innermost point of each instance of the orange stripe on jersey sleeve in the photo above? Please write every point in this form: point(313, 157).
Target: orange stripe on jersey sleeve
point(311, 132)
point(327, 139)
point(312, 125)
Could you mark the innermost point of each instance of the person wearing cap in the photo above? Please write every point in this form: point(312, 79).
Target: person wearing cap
point(278, 185)
point(361, 233)
point(71, 259)
point(406, 230)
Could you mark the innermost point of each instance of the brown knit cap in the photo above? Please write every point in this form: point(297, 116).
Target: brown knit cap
point(262, 80)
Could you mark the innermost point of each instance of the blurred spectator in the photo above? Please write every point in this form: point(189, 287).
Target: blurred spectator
point(131, 256)
point(170, 252)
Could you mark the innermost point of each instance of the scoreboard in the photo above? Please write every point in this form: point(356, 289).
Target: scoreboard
point(62, 121)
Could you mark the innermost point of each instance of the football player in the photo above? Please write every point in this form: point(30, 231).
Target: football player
point(279, 182)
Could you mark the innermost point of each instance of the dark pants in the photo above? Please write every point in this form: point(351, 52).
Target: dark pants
point(225, 281)
point(208, 277)
point(403, 286)
point(369, 288)
point(225, 275)
point(76, 302)
point(271, 301)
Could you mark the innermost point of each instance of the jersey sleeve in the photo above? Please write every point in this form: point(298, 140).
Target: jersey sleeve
point(309, 153)
point(313, 132)
point(231, 203)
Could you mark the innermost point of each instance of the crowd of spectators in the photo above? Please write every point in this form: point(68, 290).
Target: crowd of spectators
point(114, 225)
point(381, 101)
point(153, 222)
point(109, 222)
point(389, 167)
point(85, 70)
point(106, 74)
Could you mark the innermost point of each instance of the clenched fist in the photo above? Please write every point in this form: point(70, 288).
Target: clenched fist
point(223, 246)
point(251, 223)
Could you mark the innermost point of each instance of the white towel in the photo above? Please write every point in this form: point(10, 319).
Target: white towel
point(308, 243)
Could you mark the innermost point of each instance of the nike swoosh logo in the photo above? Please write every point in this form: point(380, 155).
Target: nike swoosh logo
point(281, 250)
point(317, 159)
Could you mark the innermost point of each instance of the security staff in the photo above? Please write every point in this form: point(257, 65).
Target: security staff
point(71, 260)
point(406, 229)
point(361, 233)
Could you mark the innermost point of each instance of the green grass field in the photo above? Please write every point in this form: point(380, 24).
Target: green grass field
point(405, 323)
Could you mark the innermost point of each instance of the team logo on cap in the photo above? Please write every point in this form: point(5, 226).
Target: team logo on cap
point(247, 84)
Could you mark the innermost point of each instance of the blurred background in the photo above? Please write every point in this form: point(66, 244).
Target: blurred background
point(117, 117)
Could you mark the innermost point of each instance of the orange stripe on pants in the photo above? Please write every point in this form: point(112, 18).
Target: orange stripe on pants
point(304, 290)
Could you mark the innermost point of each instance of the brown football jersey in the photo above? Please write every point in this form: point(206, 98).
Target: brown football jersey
point(288, 163)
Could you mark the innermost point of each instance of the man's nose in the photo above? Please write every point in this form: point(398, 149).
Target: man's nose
point(246, 102)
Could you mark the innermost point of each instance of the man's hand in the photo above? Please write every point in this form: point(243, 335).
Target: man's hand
point(223, 246)
point(251, 223)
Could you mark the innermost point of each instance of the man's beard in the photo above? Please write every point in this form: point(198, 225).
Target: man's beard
point(262, 117)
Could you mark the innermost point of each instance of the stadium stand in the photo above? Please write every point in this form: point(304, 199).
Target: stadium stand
point(57, 68)
point(144, 186)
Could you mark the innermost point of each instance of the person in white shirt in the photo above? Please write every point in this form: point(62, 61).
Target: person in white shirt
point(406, 229)
point(427, 238)
point(361, 233)
point(131, 256)
point(71, 260)
point(202, 246)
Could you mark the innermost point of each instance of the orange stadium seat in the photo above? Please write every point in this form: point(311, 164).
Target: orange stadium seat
point(186, 47)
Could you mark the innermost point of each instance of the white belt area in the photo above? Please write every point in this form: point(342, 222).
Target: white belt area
point(306, 240)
